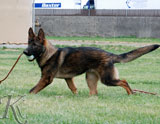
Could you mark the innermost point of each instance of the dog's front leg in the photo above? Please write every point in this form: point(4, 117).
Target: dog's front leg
point(71, 85)
point(44, 81)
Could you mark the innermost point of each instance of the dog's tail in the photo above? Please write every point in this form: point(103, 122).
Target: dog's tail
point(129, 56)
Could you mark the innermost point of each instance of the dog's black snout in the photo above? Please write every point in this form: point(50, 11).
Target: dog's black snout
point(26, 52)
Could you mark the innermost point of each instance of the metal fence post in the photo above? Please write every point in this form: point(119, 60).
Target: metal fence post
point(33, 15)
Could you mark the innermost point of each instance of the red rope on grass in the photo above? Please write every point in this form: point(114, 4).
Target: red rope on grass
point(141, 91)
point(11, 68)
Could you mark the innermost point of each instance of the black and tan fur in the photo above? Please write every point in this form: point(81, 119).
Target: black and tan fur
point(68, 62)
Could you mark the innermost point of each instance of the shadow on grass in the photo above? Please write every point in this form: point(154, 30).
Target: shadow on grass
point(65, 93)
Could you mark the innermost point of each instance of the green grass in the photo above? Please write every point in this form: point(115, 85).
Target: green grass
point(110, 39)
point(57, 105)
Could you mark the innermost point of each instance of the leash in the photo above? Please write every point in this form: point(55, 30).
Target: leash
point(11, 68)
point(145, 92)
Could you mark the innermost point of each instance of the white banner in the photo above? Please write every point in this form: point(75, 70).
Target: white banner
point(57, 4)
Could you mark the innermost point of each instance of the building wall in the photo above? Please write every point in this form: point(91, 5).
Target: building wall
point(15, 20)
point(105, 26)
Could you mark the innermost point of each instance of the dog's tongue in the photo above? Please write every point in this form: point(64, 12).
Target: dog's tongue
point(30, 57)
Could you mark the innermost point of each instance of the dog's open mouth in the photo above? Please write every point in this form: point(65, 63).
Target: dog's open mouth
point(30, 58)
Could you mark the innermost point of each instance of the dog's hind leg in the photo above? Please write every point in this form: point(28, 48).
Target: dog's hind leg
point(125, 85)
point(110, 77)
point(92, 80)
point(71, 85)
point(122, 83)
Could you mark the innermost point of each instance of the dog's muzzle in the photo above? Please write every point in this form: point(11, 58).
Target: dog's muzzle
point(30, 57)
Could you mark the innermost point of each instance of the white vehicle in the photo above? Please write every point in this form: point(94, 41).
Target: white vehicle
point(127, 4)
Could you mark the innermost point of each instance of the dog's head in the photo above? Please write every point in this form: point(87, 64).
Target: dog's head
point(36, 45)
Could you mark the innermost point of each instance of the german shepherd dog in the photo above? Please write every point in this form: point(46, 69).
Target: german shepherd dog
point(68, 62)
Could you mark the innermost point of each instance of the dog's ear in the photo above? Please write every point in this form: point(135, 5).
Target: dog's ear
point(31, 34)
point(41, 35)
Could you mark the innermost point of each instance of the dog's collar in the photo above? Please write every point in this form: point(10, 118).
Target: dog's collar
point(43, 51)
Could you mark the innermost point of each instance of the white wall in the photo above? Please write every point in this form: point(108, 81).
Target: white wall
point(15, 20)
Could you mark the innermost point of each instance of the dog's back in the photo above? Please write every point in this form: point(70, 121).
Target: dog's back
point(75, 61)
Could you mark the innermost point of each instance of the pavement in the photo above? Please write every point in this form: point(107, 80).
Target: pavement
point(79, 43)
point(13, 46)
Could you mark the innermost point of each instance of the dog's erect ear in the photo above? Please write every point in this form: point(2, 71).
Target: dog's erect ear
point(31, 34)
point(41, 35)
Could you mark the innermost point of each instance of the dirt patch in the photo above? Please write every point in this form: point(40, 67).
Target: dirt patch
point(10, 49)
point(78, 43)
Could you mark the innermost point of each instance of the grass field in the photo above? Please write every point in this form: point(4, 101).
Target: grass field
point(57, 105)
